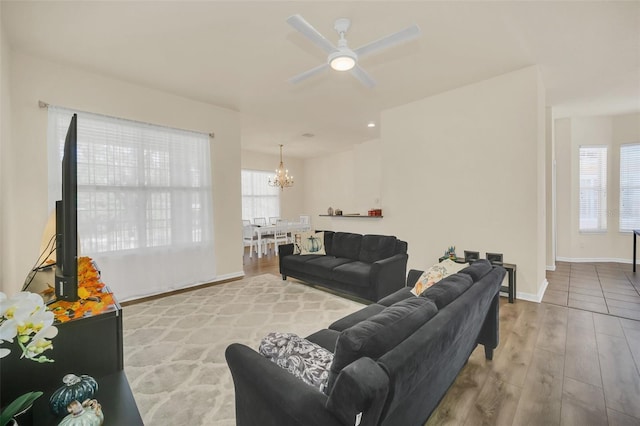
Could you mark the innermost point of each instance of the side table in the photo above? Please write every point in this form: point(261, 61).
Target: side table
point(511, 273)
point(636, 232)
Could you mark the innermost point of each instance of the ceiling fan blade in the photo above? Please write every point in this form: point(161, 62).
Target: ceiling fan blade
point(363, 76)
point(299, 23)
point(407, 34)
point(309, 73)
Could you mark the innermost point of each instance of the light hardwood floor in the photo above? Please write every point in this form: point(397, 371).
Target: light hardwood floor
point(555, 365)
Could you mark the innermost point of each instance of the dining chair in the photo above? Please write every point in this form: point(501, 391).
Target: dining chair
point(273, 220)
point(305, 221)
point(260, 221)
point(249, 238)
point(281, 234)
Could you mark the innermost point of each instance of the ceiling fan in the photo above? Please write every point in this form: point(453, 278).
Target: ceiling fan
point(343, 58)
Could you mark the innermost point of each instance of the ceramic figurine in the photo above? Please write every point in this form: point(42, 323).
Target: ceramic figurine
point(89, 413)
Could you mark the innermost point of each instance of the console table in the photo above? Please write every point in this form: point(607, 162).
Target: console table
point(114, 395)
point(91, 345)
point(511, 273)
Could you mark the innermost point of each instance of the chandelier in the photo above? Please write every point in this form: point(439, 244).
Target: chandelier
point(281, 178)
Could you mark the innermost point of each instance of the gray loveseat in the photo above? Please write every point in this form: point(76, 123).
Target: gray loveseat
point(366, 266)
point(393, 361)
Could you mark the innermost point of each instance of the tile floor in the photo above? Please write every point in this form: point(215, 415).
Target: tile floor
point(609, 288)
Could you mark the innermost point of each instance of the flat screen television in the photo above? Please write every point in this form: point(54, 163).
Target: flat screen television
point(66, 276)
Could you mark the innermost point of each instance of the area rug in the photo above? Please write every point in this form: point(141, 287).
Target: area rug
point(174, 346)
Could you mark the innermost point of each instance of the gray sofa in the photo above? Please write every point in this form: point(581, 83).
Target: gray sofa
point(366, 266)
point(393, 360)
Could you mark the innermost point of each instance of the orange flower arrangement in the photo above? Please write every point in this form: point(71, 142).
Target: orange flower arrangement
point(91, 298)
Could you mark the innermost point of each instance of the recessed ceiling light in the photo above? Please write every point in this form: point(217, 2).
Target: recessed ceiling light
point(308, 135)
point(371, 124)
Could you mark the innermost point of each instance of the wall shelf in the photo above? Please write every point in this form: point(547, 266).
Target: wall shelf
point(351, 216)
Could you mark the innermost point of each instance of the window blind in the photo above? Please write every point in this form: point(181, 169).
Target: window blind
point(629, 187)
point(144, 201)
point(258, 198)
point(593, 188)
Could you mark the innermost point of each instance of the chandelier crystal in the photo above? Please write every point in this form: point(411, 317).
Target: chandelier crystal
point(281, 178)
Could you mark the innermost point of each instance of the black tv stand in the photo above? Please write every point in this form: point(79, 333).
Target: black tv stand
point(91, 345)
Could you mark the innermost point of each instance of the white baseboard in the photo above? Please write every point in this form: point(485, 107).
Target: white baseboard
point(594, 259)
point(537, 298)
point(551, 268)
point(218, 278)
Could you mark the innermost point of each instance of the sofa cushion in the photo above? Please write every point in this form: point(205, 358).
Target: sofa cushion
point(377, 247)
point(346, 244)
point(354, 273)
point(323, 266)
point(304, 359)
point(325, 338)
point(375, 336)
point(435, 273)
point(398, 295)
point(328, 242)
point(477, 269)
point(354, 318)
point(448, 289)
point(296, 262)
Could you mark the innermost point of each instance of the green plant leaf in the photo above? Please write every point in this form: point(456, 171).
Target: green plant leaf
point(18, 405)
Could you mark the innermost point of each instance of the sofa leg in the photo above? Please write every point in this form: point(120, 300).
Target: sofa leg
point(284, 277)
point(488, 353)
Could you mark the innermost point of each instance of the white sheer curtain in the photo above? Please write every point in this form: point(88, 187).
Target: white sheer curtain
point(258, 198)
point(144, 201)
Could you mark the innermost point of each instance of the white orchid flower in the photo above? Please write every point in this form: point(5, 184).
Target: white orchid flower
point(8, 330)
point(24, 316)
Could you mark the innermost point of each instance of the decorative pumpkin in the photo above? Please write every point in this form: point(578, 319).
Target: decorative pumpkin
point(89, 413)
point(75, 389)
point(314, 244)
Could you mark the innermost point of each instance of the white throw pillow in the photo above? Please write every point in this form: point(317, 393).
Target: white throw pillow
point(309, 242)
point(435, 273)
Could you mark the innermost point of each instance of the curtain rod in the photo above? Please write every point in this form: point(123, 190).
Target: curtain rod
point(43, 104)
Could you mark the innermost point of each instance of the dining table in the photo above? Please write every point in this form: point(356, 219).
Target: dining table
point(290, 226)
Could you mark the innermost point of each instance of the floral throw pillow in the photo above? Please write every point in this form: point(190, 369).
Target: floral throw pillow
point(309, 242)
point(304, 359)
point(435, 274)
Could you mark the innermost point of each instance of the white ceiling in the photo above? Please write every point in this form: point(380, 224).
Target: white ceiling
point(240, 55)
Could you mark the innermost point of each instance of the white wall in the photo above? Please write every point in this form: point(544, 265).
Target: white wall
point(5, 137)
point(34, 79)
point(292, 198)
point(570, 134)
point(349, 181)
point(550, 161)
point(467, 168)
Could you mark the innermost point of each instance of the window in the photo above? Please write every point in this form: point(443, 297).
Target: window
point(593, 188)
point(258, 198)
point(144, 197)
point(629, 187)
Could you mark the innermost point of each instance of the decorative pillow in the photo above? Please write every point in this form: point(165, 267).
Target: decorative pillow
point(435, 273)
point(300, 357)
point(309, 242)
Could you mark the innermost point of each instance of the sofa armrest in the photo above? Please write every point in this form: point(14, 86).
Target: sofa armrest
point(268, 395)
point(359, 393)
point(388, 275)
point(412, 277)
point(284, 250)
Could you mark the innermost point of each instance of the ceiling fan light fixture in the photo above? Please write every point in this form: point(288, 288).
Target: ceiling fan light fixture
point(342, 60)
